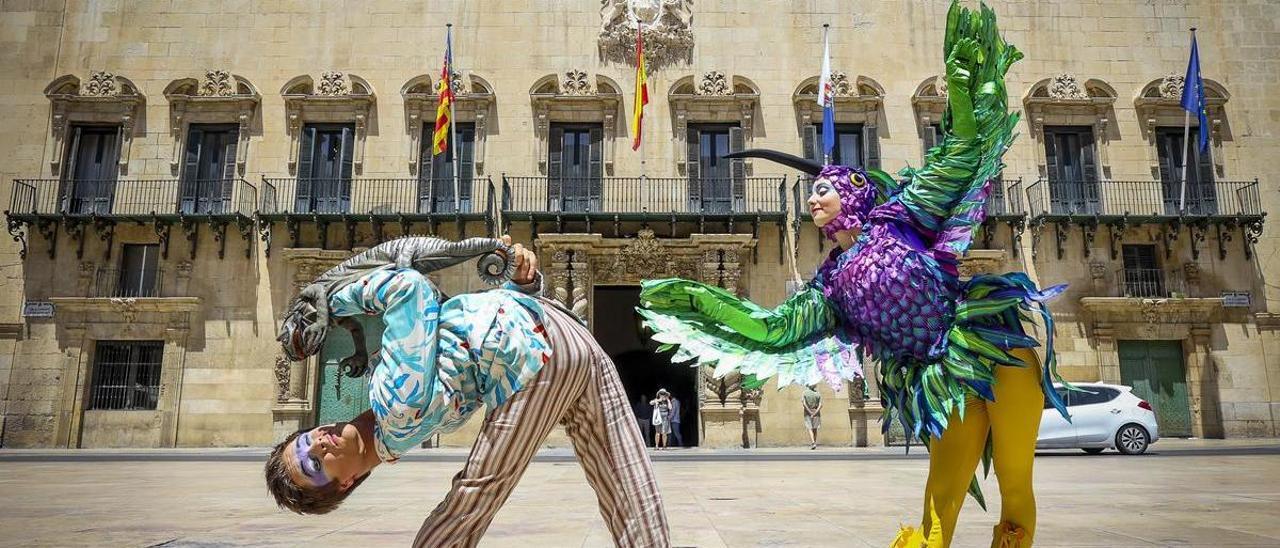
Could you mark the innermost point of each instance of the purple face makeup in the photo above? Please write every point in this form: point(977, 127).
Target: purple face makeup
point(310, 466)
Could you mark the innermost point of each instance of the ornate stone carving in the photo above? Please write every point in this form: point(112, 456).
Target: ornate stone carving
point(841, 86)
point(127, 308)
point(1098, 272)
point(332, 84)
point(940, 85)
point(715, 83)
point(217, 83)
point(1171, 86)
point(1065, 86)
point(281, 371)
point(101, 84)
point(576, 83)
point(667, 27)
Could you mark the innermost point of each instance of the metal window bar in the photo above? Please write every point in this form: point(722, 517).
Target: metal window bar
point(134, 197)
point(126, 375)
point(1143, 198)
point(1150, 283)
point(125, 283)
point(630, 195)
point(373, 196)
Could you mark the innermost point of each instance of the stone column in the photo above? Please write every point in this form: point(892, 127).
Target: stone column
point(74, 371)
point(1108, 356)
point(1202, 385)
point(171, 372)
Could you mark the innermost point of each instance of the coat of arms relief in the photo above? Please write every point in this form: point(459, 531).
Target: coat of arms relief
point(667, 26)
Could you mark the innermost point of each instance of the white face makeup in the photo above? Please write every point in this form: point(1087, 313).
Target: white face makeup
point(824, 202)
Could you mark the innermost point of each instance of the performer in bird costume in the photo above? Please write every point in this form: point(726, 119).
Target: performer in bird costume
point(956, 366)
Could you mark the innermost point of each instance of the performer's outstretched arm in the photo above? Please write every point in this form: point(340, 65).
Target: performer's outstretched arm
point(801, 315)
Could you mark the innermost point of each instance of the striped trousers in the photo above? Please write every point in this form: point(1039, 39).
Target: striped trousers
point(580, 389)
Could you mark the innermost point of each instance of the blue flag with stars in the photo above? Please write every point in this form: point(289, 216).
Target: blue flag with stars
point(1193, 95)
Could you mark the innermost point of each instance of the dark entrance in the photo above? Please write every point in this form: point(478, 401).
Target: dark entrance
point(642, 369)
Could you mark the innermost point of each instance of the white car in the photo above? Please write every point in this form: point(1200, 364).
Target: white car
point(1103, 416)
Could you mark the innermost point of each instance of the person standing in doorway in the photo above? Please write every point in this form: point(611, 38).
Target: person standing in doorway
point(644, 416)
point(676, 410)
point(812, 402)
point(661, 418)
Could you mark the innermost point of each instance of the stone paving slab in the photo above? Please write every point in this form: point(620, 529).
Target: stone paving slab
point(1085, 501)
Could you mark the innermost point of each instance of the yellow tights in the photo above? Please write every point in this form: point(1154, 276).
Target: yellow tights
point(1013, 421)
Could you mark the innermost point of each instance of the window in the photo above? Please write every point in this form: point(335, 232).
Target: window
point(209, 166)
point(575, 167)
point(139, 272)
point(932, 137)
point(324, 168)
point(1072, 168)
point(126, 375)
point(716, 184)
point(1142, 275)
point(1062, 393)
point(855, 145)
point(1090, 395)
point(1200, 196)
point(89, 182)
point(436, 179)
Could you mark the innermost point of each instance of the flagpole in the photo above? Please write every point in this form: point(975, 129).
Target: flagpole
point(644, 207)
point(453, 123)
point(1186, 144)
point(822, 83)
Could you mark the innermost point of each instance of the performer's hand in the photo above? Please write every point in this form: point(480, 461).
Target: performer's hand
point(526, 262)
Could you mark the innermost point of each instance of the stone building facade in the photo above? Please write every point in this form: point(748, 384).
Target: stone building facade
point(175, 171)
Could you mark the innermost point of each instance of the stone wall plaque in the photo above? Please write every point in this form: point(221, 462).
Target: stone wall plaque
point(37, 309)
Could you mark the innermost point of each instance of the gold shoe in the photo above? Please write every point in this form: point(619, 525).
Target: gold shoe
point(910, 537)
point(1008, 535)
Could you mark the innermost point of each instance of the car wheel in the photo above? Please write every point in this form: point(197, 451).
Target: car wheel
point(1132, 439)
point(1092, 450)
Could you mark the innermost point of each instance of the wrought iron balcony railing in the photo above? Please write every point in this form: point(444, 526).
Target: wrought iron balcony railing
point(133, 198)
point(1149, 283)
point(409, 197)
point(1153, 199)
point(115, 282)
point(655, 197)
point(1005, 200)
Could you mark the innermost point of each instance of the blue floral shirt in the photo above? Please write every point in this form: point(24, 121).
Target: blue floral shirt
point(439, 362)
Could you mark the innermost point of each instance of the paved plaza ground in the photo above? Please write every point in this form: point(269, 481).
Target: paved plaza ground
point(1187, 493)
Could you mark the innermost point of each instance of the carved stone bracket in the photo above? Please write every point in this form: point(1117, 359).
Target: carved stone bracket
point(1169, 234)
point(1061, 232)
point(1037, 226)
point(245, 226)
point(1016, 227)
point(106, 231)
point(75, 229)
point(1089, 230)
point(48, 228)
point(1224, 237)
point(1198, 230)
point(1117, 230)
point(163, 230)
point(192, 231)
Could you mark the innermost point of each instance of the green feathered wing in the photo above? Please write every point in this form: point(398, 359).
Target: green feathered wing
point(798, 342)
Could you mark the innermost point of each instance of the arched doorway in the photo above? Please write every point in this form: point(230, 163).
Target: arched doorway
point(642, 369)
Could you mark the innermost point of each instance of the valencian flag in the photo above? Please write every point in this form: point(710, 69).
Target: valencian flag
point(642, 91)
point(1193, 94)
point(440, 138)
point(826, 99)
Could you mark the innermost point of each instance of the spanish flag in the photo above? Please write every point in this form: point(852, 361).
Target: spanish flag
point(440, 138)
point(642, 91)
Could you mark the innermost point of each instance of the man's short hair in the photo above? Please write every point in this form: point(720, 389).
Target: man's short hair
point(298, 498)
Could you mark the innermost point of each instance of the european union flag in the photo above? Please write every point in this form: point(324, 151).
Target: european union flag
point(1193, 95)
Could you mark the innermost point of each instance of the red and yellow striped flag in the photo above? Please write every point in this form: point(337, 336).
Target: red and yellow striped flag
point(440, 138)
point(642, 92)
